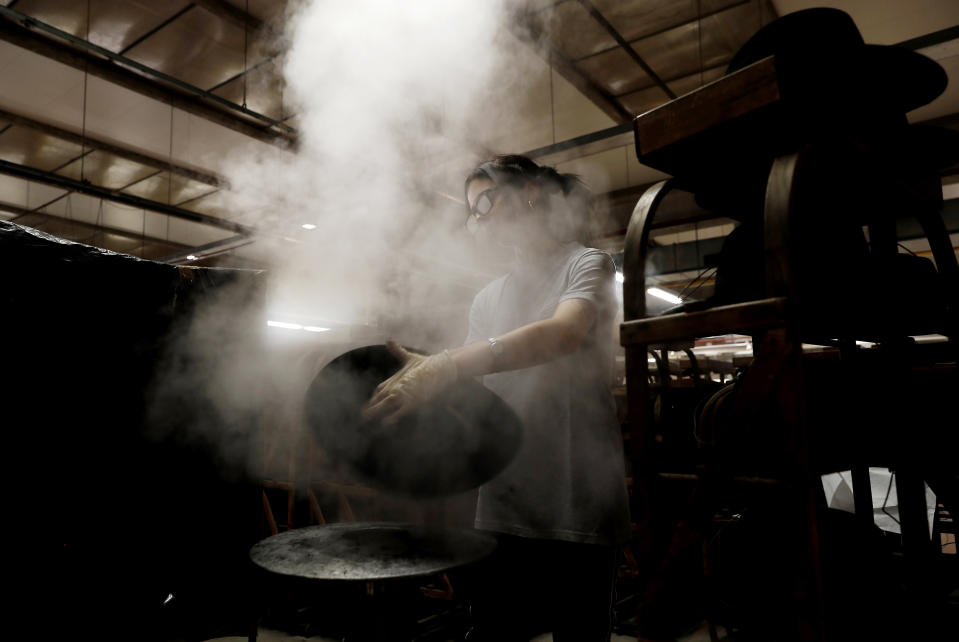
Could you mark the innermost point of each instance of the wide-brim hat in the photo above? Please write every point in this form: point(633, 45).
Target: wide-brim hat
point(830, 78)
point(824, 48)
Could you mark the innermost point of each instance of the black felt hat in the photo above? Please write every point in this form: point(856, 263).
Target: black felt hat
point(831, 78)
point(822, 47)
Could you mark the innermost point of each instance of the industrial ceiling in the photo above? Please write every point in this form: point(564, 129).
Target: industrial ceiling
point(115, 114)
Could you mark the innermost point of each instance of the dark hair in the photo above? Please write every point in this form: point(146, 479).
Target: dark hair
point(515, 170)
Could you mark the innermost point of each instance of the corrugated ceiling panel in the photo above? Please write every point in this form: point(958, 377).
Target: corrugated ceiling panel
point(127, 118)
point(615, 72)
point(46, 90)
point(157, 188)
point(114, 24)
point(638, 18)
point(264, 91)
point(123, 217)
point(536, 5)
point(34, 149)
point(157, 225)
point(200, 143)
point(106, 170)
point(214, 204)
point(13, 191)
point(679, 52)
point(39, 195)
point(573, 113)
point(265, 10)
point(646, 99)
point(574, 31)
point(194, 234)
point(81, 207)
point(198, 48)
point(603, 172)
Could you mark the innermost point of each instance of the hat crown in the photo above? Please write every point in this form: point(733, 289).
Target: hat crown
point(816, 33)
point(820, 51)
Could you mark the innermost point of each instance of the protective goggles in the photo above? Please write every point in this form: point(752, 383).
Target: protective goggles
point(481, 208)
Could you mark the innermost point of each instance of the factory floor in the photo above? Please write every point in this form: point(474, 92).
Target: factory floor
point(268, 635)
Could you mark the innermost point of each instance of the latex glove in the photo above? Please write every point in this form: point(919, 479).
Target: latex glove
point(420, 379)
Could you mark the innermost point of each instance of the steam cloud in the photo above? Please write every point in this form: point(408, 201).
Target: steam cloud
point(394, 103)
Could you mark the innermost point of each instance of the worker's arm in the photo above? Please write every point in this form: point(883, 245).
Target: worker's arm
point(531, 344)
point(423, 377)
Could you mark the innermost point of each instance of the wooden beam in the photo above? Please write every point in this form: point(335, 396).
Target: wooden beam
point(726, 319)
point(724, 100)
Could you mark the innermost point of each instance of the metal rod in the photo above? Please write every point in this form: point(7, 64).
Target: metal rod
point(578, 141)
point(931, 39)
point(31, 174)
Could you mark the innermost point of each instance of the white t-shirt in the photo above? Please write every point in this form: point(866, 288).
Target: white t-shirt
point(567, 481)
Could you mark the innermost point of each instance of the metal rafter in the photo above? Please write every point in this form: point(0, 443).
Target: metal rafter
point(180, 94)
point(601, 19)
point(705, 14)
point(228, 12)
point(96, 144)
point(175, 16)
point(524, 29)
point(31, 174)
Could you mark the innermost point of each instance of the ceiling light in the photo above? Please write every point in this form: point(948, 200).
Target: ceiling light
point(308, 226)
point(664, 295)
point(315, 328)
point(191, 257)
point(283, 324)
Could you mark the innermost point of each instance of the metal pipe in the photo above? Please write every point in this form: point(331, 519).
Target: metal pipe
point(31, 174)
point(94, 144)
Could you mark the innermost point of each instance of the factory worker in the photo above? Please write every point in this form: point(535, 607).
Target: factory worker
point(541, 337)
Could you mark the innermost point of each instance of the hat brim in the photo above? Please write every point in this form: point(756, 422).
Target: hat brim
point(904, 78)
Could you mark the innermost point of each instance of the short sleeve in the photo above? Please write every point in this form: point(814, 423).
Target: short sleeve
point(477, 320)
point(591, 277)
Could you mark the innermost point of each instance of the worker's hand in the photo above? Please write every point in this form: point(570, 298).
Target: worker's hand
point(420, 379)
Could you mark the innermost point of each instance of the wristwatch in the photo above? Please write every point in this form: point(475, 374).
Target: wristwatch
point(495, 348)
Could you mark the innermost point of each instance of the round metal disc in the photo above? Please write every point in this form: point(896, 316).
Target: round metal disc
point(369, 551)
point(460, 440)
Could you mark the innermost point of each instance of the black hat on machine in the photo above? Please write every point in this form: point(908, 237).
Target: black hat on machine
point(831, 79)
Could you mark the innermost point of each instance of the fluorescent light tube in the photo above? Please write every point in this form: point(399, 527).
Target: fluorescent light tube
point(664, 295)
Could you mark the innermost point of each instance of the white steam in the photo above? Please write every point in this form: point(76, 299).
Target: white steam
point(393, 103)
